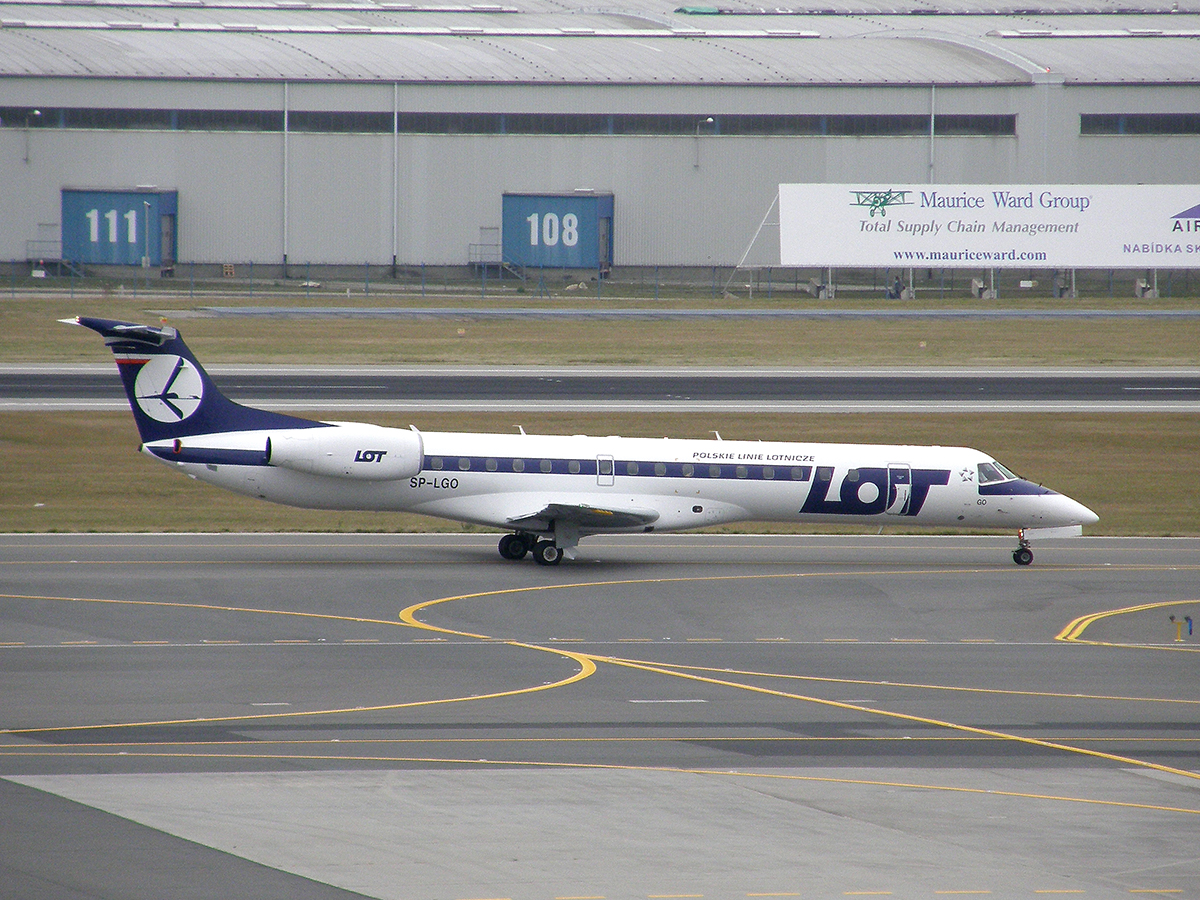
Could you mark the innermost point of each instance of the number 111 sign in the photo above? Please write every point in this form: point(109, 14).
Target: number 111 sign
point(119, 227)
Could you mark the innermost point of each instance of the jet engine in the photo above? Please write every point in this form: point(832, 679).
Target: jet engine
point(348, 450)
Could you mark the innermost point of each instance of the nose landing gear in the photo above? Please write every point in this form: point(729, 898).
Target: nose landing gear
point(1022, 556)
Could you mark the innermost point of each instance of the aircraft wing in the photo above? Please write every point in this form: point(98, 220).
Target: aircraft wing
point(586, 517)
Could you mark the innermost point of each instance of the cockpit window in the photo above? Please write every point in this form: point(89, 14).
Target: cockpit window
point(994, 473)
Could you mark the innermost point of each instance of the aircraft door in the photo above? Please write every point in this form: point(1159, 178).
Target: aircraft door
point(899, 489)
point(604, 471)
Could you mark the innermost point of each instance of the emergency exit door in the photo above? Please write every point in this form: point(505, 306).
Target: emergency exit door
point(605, 467)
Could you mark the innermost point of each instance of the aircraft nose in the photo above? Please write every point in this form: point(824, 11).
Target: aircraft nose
point(1076, 512)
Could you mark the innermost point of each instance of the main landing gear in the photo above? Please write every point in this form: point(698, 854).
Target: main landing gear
point(547, 553)
point(1022, 556)
point(516, 546)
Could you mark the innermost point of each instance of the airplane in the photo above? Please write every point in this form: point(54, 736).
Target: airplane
point(546, 491)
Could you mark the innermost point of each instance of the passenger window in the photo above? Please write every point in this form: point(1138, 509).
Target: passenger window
point(518, 465)
point(742, 471)
point(573, 467)
point(631, 468)
point(768, 473)
point(660, 468)
point(491, 465)
point(546, 465)
point(435, 462)
point(688, 470)
point(464, 463)
point(714, 471)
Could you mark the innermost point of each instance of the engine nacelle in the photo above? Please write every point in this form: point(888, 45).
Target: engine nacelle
point(349, 450)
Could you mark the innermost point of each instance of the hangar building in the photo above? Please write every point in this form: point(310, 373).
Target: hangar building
point(382, 132)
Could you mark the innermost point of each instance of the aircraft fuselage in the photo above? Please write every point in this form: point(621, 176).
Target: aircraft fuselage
point(495, 479)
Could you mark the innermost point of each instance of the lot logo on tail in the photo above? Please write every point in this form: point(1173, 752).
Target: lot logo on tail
point(168, 389)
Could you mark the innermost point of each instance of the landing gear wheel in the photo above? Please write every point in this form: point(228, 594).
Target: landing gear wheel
point(514, 546)
point(1022, 556)
point(547, 553)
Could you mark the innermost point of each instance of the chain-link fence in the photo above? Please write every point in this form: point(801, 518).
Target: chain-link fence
point(494, 278)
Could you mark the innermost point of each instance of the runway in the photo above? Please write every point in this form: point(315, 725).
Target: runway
point(686, 313)
point(616, 388)
point(409, 716)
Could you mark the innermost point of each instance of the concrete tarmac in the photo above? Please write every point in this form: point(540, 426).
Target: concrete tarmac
point(716, 716)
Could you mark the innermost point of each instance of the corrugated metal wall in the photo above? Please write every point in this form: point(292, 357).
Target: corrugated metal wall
point(680, 201)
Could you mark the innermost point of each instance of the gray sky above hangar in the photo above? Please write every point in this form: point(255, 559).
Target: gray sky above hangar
point(629, 42)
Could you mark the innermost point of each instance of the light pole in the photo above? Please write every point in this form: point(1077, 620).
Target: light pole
point(146, 242)
point(146, 236)
point(707, 121)
point(29, 117)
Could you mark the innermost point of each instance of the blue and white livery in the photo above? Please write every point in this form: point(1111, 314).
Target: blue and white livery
point(548, 491)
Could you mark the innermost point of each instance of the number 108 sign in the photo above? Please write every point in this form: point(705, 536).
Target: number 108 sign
point(557, 230)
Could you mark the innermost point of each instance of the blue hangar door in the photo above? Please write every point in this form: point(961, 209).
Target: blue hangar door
point(559, 231)
point(135, 227)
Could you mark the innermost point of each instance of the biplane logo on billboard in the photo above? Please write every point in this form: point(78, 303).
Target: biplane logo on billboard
point(989, 226)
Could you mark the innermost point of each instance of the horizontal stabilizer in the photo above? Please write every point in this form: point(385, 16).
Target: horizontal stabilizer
point(147, 334)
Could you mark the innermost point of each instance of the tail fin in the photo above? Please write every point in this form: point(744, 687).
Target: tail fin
point(169, 392)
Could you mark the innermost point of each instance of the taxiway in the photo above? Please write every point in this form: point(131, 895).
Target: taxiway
point(409, 716)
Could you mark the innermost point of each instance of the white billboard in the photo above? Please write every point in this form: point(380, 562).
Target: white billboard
point(1105, 226)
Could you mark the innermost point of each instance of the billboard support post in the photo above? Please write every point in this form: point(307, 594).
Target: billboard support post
point(753, 241)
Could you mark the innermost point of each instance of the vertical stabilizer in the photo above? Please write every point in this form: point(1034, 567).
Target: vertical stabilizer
point(169, 392)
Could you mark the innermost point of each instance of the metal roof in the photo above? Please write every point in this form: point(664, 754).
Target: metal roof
point(629, 42)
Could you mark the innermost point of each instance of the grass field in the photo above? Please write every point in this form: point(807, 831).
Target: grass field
point(81, 471)
point(31, 334)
